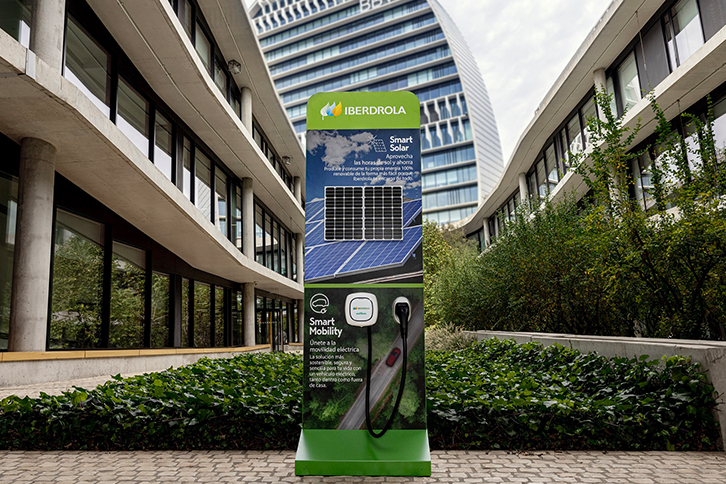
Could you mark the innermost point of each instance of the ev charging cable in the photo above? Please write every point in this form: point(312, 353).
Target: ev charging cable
point(361, 310)
point(401, 313)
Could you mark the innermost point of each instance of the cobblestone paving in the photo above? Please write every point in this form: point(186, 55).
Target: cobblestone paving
point(448, 467)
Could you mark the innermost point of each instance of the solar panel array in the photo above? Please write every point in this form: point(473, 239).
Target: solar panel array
point(358, 213)
point(327, 259)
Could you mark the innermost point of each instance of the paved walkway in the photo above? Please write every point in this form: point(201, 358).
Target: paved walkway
point(448, 467)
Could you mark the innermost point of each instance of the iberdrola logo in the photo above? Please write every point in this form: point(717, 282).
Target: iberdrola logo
point(331, 110)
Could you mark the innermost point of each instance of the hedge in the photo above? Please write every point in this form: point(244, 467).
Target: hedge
point(495, 394)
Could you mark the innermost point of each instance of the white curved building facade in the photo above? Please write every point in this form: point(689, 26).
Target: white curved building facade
point(375, 45)
point(674, 49)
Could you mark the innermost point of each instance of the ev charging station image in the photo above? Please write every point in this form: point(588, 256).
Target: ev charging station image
point(364, 405)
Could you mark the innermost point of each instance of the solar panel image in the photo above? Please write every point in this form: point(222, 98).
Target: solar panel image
point(378, 254)
point(312, 208)
point(370, 213)
point(333, 255)
point(410, 211)
point(314, 234)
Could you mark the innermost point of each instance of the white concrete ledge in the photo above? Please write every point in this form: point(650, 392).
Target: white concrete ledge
point(22, 368)
point(710, 354)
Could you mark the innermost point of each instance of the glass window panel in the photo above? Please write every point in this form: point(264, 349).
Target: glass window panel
point(15, 17)
point(220, 76)
point(443, 110)
point(574, 134)
point(629, 83)
point(541, 178)
point(188, 16)
point(203, 46)
point(464, 108)
point(425, 144)
point(293, 256)
point(435, 140)
point(220, 188)
point(87, 66)
point(268, 242)
point(455, 111)
point(553, 174)
point(186, 182)
point(163, 144)
point(76, 301)
point(445, 136)
point(532, 184)
point(203, 183)
point(186, 313)
point(261, 335)
point(610, 89)
point(236, 105)
point(457, 134)
point(237, 319)
point(565, 160)
point(275, 246)
point(719, 128)
point(259, 236)
point(8, 220)
point(236, 210)
point(160, 322)
point(218, 316)
point(202, 315)
point(589, 111)
point(128, 284)
point(283, 252)
point(686, 25)
point(133, 116)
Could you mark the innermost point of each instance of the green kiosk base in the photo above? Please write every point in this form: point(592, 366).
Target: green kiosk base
point(356, 453)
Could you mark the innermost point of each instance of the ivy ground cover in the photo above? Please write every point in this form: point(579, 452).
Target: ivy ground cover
point(493, 395)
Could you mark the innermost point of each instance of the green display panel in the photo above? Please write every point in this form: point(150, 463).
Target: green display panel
point(364, 406)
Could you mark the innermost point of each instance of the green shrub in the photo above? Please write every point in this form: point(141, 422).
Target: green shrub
point(494, 394)
point(251, 401)
point(500, 395)
point(447, 337)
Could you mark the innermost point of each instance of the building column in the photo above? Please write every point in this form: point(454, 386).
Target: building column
point(33, 246)
point(248, 219)
point(485, 227)
point(301, 319)
point(523, 195)
point(600, 81)
point(298, 189)
point(46, 31)
point(248, 310)
point(247, 108)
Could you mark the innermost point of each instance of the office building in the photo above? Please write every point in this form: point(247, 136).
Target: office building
point(376, 45)
point(674, 49)
point(151, 188)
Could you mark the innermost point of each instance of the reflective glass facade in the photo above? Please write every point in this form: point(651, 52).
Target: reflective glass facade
point(316, 46)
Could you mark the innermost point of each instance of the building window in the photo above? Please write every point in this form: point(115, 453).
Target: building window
point(133, 116)
point(202, 315)
point(259, 237)
point(220, 188)
point(237, 320)
point(186, 320)
point(87, 66)
point(268, 242)
point(15, 17)
point(219, 309)
point(236, 212)
point(185, 184)
point(160, 300)
point(163, 144)
point(78, 272)
point(683, 31)
point(8, 220)
point(628, 83)
point(203, 183)
point(128, 286)
point(203, 46)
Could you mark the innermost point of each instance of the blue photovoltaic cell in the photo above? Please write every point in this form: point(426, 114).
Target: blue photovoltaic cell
point(314, 234)
point(318, 217)
point(384, 253)
point(410, 211)
point(331, 257)
point(313, 208)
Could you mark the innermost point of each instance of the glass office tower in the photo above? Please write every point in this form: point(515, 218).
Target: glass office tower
point(388, 45)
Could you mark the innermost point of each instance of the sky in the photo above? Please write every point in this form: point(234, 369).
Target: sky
point(521, 47)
